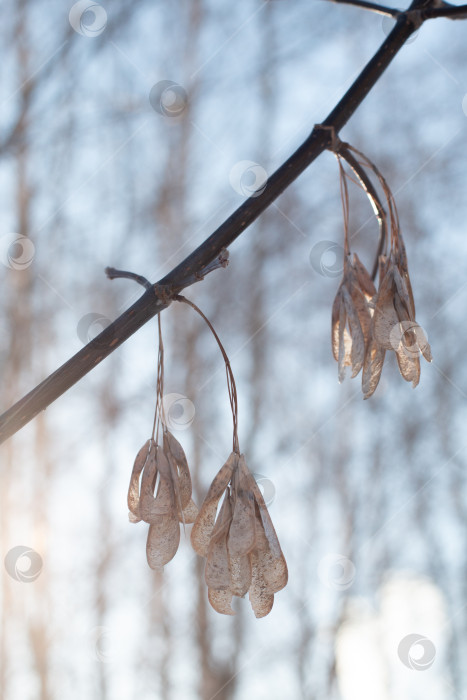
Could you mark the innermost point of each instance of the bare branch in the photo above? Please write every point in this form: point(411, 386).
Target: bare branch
point(445, 10)
point(193, 267)
point(438, 9)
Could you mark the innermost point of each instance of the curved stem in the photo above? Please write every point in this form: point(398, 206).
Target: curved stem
point(378, 208)
point(231, 386)
point(345, 205)
point(159, 410)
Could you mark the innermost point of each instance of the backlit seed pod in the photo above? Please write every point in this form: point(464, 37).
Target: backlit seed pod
point(240, 545)
point(394, 326)
point(160, 494)
point(351, 317)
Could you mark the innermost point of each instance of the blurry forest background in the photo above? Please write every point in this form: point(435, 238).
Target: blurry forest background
point(369, 498)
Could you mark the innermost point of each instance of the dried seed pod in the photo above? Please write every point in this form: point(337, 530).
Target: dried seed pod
point(217, 570)
point(345, 342)
point(351, 317)
point(357, 352)
point(190, 513)
point(179, 468)
point(394, 328)
point(364, 281)
point(163, 498)
point(221, 601)
point(148, 481)
point(146, 453)
point(261, 601)
point(159, 500)
point(204, 523)
point(372, 368)
point(242, 535)
point(392, 324)
point(240, 545)
point(409, 367)
point(235, 563)
point(163, 540)
point(270, 560)
point(240, 570)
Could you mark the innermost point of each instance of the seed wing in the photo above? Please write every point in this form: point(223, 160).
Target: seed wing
point(336, 307)
point(345, 344)
point(147, 451)
point(163, 540)
point(220, 601)
point(204, 523)
point(242, 530)
point(217, 571)
point(148, 481)
point(261, 601)
point(409, 366)
point(190, 513)
point(179, 467)
point(357, 352)
point(372, 368)
point(363, 277)
point(240, 571)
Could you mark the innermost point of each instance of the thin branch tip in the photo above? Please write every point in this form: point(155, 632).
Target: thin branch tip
point(112, 273)
point(372, 6)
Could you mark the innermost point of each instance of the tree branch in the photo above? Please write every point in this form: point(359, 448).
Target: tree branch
point(194, 266)
point(446, 10)
point(438, 9)
point(374, 7)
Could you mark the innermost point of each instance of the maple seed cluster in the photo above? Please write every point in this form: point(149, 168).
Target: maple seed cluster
point(240, 546)
point(239, 543)
point(366, 322)
point(162, 471)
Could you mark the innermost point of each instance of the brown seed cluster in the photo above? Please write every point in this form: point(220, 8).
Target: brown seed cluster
point(160, 494)
point(242, 552)
point(367, 322)
point(240, 545)
point(393, 324)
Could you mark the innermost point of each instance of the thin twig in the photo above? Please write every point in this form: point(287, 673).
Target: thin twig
point(374, 7)
point(113, 274)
